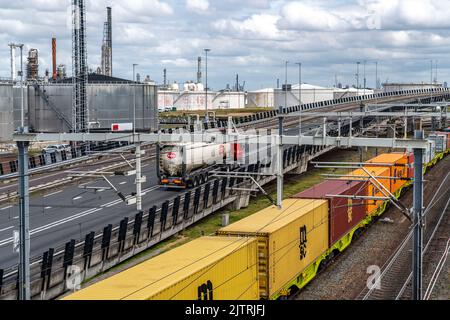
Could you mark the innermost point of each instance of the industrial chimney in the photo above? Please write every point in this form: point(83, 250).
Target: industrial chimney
point(54, 75)
point(199, 70)
point(107, 44)
point(13, 62)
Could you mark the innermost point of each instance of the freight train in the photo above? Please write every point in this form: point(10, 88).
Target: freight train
point(273, 253)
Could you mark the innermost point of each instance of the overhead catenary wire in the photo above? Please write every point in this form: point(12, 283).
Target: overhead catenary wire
point(214, 264)
point(259, 230)
point(272, 221)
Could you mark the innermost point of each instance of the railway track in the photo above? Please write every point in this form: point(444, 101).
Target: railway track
point(395, 279)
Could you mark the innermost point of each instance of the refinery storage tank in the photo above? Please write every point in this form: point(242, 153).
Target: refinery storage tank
point(50, 106)
point(6, 112)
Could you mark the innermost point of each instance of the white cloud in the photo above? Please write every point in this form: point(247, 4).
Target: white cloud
point(197, 5)
point(251, 37)
point(180, 62)
point(260, 26)
point(365, 15)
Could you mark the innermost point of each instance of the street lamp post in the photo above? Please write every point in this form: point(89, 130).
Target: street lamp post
point(300, 95)
point(285, 84)
point(357, 78)
point(376, 83)
point(134, 97)
point(24, 288)
point(365, 77)
point(139, 178)
point(376, 75)
point(206, 85)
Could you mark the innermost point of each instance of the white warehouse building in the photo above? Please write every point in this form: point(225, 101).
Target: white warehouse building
point(193, 97)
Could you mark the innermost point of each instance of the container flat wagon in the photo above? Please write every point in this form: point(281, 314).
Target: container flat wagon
point(209, 268)
point(291, 243)
point(273, 253)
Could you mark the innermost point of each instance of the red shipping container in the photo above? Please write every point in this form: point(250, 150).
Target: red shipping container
point(344, 213)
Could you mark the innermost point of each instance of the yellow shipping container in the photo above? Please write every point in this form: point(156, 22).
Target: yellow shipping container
point(289, 240)
point(372, 191)
point(209, 268)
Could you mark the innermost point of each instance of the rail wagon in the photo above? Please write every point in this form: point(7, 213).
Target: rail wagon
point(346, 215)
point(291, 243)
point(399, 165)
point(209, 268)
point(270, 254)
point(187, 165)
point(447, 140)
point(382, 175)
point(440, 141)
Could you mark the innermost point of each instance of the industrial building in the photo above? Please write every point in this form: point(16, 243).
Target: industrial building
point(393, 87)
point(6, 112)
point(193, 96)
point(309, 94)
point(110, 100)
point(48, 106)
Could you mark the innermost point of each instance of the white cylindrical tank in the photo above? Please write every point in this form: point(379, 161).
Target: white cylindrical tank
point(192, 156)
point(200, 87)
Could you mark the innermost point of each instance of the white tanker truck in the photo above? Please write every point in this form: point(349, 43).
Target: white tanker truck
point(187, 165)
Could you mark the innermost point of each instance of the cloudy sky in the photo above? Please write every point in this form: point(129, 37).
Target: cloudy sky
point(249, 37)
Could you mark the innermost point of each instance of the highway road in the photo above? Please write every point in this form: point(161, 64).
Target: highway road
point(71, 213)
point(58, 216)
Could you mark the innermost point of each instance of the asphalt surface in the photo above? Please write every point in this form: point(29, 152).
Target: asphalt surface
point(71, 213)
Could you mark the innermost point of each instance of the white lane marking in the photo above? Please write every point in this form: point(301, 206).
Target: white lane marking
point(100, 190)
point(122, 183)
point(46, 208)
point(150, 190)
point(6, 229)
point(111, 204)
point(52, 194)
point(15, 218)
point(5, 208)
point(77, 198)
point(54, 224)
point(68, 219)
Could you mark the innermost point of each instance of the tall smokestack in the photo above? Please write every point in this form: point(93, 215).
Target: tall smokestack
point(109, 40)
point(199, 70)
point(13, 63)
point(54, 58)
point(165, 77)
point(107, 44)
